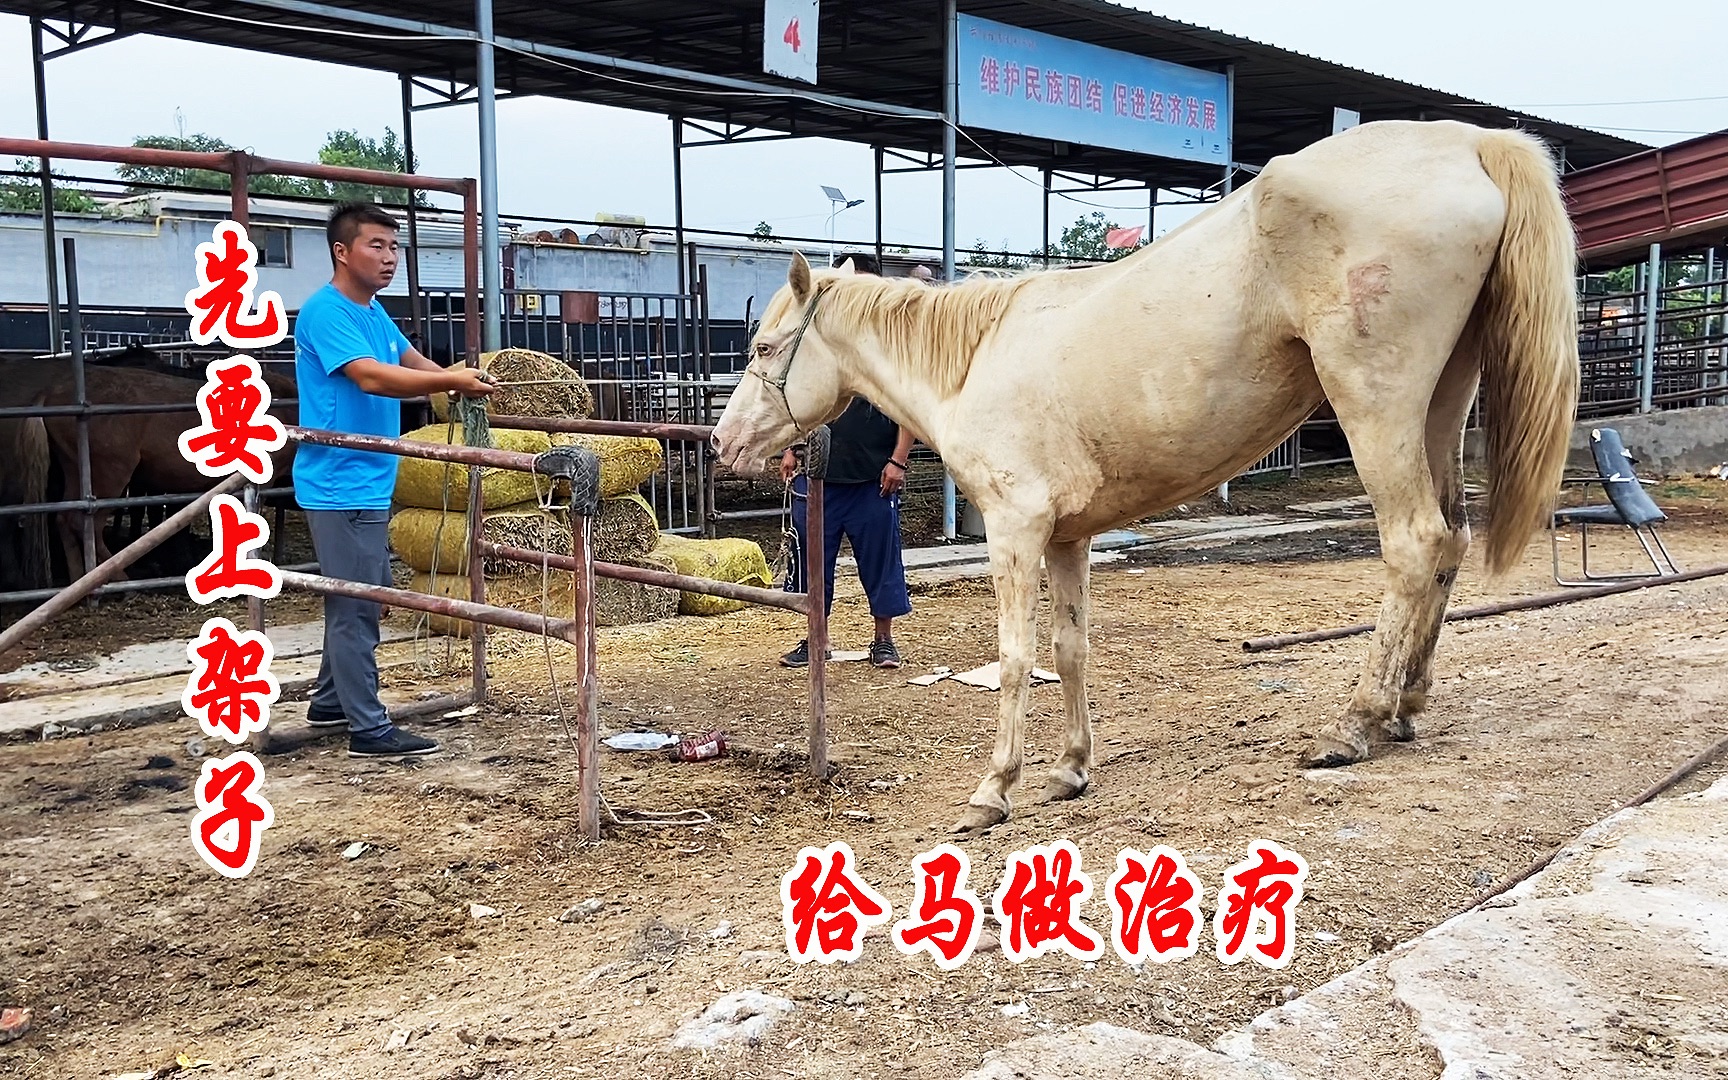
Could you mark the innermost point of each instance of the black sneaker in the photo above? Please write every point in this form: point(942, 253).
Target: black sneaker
point(322, 721)
point(883, 654)
point(800, 655)
point(394, 743)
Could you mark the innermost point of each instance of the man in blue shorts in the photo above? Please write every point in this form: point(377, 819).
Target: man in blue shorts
point(353, 366)
point(861, 501)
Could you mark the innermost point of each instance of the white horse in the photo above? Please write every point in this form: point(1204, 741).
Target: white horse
point(1386, 269)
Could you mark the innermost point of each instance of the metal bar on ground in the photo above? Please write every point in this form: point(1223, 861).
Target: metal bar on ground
point(641, 575)
point(1504, 607)
point(254, 604)
point(697, 433)
point(466, 610)
point(119, 561)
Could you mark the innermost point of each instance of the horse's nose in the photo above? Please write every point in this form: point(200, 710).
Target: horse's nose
point(714, 443)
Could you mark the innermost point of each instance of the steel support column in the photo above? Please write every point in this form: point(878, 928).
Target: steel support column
point(416, 316)
point(950, 117)
point(1652, 297)
point(487, 89)
point(50, 258)
point(678, 201)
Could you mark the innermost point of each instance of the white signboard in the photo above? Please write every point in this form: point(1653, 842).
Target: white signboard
point(789, 38)
point(1344, 119)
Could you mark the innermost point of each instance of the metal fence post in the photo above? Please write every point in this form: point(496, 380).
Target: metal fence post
point(1652, 297)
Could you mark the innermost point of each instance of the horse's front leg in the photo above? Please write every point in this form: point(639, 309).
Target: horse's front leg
point(1014, 570)
point(1070, 566)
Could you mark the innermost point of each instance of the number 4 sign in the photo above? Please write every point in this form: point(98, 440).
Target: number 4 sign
point(789, 38)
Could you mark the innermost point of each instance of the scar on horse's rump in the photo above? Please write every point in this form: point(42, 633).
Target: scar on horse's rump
point(1368, 283)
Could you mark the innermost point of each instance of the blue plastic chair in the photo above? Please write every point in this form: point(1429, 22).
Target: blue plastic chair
point(1629, 505)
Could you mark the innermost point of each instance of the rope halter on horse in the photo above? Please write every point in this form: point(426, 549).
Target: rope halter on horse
point(778, 384)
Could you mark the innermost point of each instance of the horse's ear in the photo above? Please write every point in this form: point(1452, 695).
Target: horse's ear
point(847, 267)
point(799, 277)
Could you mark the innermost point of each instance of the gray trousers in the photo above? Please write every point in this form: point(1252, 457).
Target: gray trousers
point(353, 545)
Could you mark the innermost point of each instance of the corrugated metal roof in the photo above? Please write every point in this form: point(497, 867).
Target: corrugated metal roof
point(885, 51)
point(1675, 195)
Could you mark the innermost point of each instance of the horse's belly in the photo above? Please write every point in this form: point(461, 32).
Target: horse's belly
point(1169, 451)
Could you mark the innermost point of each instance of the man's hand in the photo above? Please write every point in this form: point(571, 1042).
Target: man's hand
point(470, 381)
point(788, 466)
point(893, 478)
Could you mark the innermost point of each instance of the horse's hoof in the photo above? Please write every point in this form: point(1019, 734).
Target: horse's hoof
point(1060, 789)
point(1329, 752)
point(978, 818)
point(1399, 728)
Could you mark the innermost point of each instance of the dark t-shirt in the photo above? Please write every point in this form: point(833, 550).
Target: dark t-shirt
point(863, 441)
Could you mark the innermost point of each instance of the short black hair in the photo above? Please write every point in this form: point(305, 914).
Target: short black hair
point(346, 219)
point(862, 261)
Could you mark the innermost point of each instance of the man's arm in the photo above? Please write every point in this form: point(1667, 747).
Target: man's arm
point(894, 473)
point(398, 381)
point(412, 358)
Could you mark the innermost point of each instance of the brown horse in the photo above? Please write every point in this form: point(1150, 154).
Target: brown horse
point(140, 452)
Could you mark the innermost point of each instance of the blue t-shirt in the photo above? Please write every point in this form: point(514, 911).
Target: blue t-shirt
point(330, 331)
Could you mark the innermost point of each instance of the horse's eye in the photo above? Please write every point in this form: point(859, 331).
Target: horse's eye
point(763, 348)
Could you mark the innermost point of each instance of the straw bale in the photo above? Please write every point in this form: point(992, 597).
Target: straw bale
point(731, 559)
point(626, 462)
point(552, 388)
point(625, 528)
point(620, 603)
point(414, 532)
point(421, 483)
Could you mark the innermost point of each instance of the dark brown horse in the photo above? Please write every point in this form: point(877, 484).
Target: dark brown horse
point(140, 452)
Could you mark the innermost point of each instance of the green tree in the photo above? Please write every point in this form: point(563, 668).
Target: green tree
point(1000, 259)
point(346, 148)
point(763, 233)
point(1085, 240)
point(23, 194)
point(352, 150)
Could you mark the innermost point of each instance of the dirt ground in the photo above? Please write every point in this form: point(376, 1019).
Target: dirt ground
point(130, 951)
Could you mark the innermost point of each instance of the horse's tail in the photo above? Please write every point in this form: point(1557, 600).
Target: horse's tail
point(1527, 320)
point(25, 446)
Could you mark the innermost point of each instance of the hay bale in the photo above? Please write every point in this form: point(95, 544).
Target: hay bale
point(621, 603)
point(736, 560)
point(626, 462)
point(625, 528)
point(616, 603)
point(420, 536)
point(519, 591)
point(420, 482)
point(552, 389)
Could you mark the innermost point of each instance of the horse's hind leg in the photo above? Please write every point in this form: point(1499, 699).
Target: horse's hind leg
point(1444, 440)
point(1382, 400)
point(1070, 566)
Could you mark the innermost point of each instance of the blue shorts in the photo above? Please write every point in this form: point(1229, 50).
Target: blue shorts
point(861, 514)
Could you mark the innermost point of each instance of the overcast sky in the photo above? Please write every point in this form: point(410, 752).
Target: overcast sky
point(1573, 61)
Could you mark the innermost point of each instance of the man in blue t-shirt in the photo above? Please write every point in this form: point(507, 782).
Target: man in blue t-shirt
point(353, 366)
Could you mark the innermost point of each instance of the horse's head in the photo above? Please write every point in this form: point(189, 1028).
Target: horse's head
point(792, 384)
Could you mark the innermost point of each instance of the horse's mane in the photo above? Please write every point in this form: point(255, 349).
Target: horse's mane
point(933, 330)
